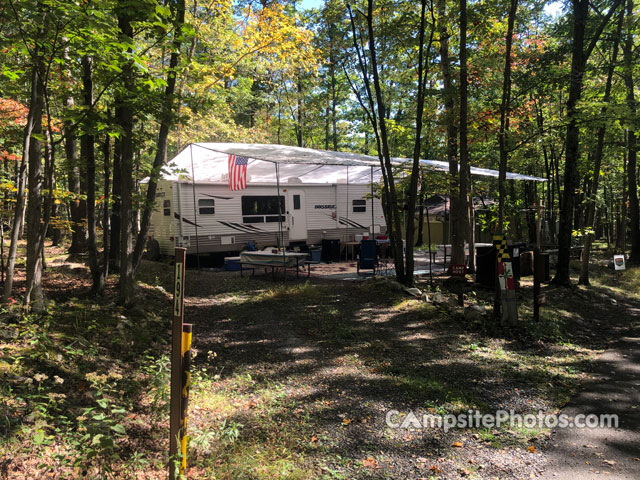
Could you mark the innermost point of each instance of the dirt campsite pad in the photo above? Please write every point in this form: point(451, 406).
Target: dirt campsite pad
point(305, 374)
point(297, 379)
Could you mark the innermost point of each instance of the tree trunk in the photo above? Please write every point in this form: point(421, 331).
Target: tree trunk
point(114, 222)
point(105, 219)
point(579, 59)
point(597, 162)
point(621, 239)
point(463, 199)
point(161, 146)
point(505, 107)
point(456, 225)
point(77, 206)
point(421, 199)
point(88, 156)
point(632, 172)
point(34, 297)
point(423, 55)
point(390, 196)
point(21, 179)
point(299, 121)
point(124, 117)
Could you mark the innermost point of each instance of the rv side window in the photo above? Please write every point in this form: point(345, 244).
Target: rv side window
point(166, 205)
point(206, 206)
point(359, 206)
point(261, 208)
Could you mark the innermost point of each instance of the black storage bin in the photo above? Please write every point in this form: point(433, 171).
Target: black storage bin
point(486, 266)
point(545, 271)
point(330, 251)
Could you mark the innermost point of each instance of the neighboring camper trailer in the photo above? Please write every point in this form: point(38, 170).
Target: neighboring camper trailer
point(225, 220)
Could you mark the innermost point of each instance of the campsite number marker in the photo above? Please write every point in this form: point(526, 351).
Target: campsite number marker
point(176, 433)
point(178, 294)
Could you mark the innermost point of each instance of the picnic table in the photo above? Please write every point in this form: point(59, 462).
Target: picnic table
point(274, 260)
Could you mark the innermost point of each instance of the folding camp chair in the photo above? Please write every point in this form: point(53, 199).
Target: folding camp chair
point(368, 259)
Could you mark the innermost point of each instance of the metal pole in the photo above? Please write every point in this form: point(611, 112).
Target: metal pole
point(195, 208)
point(281, 232)
point(372, 203)
point(176, 358)
point(347, 225)
point(279, 207)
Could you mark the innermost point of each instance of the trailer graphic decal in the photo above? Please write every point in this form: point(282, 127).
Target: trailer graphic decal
point(177, 215)
point(351, 223)
point(216, 196)
point(241, 228)
point(347, 222)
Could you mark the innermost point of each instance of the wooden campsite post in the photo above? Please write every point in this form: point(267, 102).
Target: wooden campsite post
point(506, 283)
point(176, 358)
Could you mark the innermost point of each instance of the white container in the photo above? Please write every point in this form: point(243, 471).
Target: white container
point(618, 262)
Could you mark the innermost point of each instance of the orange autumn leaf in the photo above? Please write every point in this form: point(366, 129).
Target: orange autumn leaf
point(370, 462)
point(532, 449)
point(457, 444)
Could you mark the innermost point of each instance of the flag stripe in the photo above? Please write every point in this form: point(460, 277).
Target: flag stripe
point(237, 172)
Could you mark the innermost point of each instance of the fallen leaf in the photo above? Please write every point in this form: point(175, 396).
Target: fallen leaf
point(609, 462)
point(457, 444)
point(370, 462)
point(532, 449)
point(346, 421)
point(435, 469)
point(314, 439)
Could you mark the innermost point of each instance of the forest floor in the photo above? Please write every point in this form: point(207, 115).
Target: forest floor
point(296, 380)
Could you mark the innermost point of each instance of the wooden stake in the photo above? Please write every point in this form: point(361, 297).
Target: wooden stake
point(176, 358)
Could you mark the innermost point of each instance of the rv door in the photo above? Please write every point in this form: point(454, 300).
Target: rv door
point(297, 215)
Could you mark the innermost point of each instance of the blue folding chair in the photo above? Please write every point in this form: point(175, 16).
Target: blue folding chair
point(368, 259)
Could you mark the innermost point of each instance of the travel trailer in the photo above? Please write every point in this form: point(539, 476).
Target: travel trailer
point(196, 209)
point(288, 195)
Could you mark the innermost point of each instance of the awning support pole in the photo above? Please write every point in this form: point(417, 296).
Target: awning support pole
point(280, 231)
point(372, 216)
point(347, 223)
point(195, 207)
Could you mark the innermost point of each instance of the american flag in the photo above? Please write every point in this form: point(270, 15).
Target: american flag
point(237, 172)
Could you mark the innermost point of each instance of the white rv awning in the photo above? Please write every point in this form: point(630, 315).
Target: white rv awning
point(207, 162)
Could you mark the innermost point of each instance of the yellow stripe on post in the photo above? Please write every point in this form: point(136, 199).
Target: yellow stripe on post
point(186, 384)
point(186, 342)
point(183, 450)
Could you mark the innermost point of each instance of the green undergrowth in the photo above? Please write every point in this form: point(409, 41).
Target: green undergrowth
point(74, 385)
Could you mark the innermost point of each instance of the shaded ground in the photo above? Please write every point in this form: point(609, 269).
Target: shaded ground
point(344, 354)
point(614, 388)
point(294, 380)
